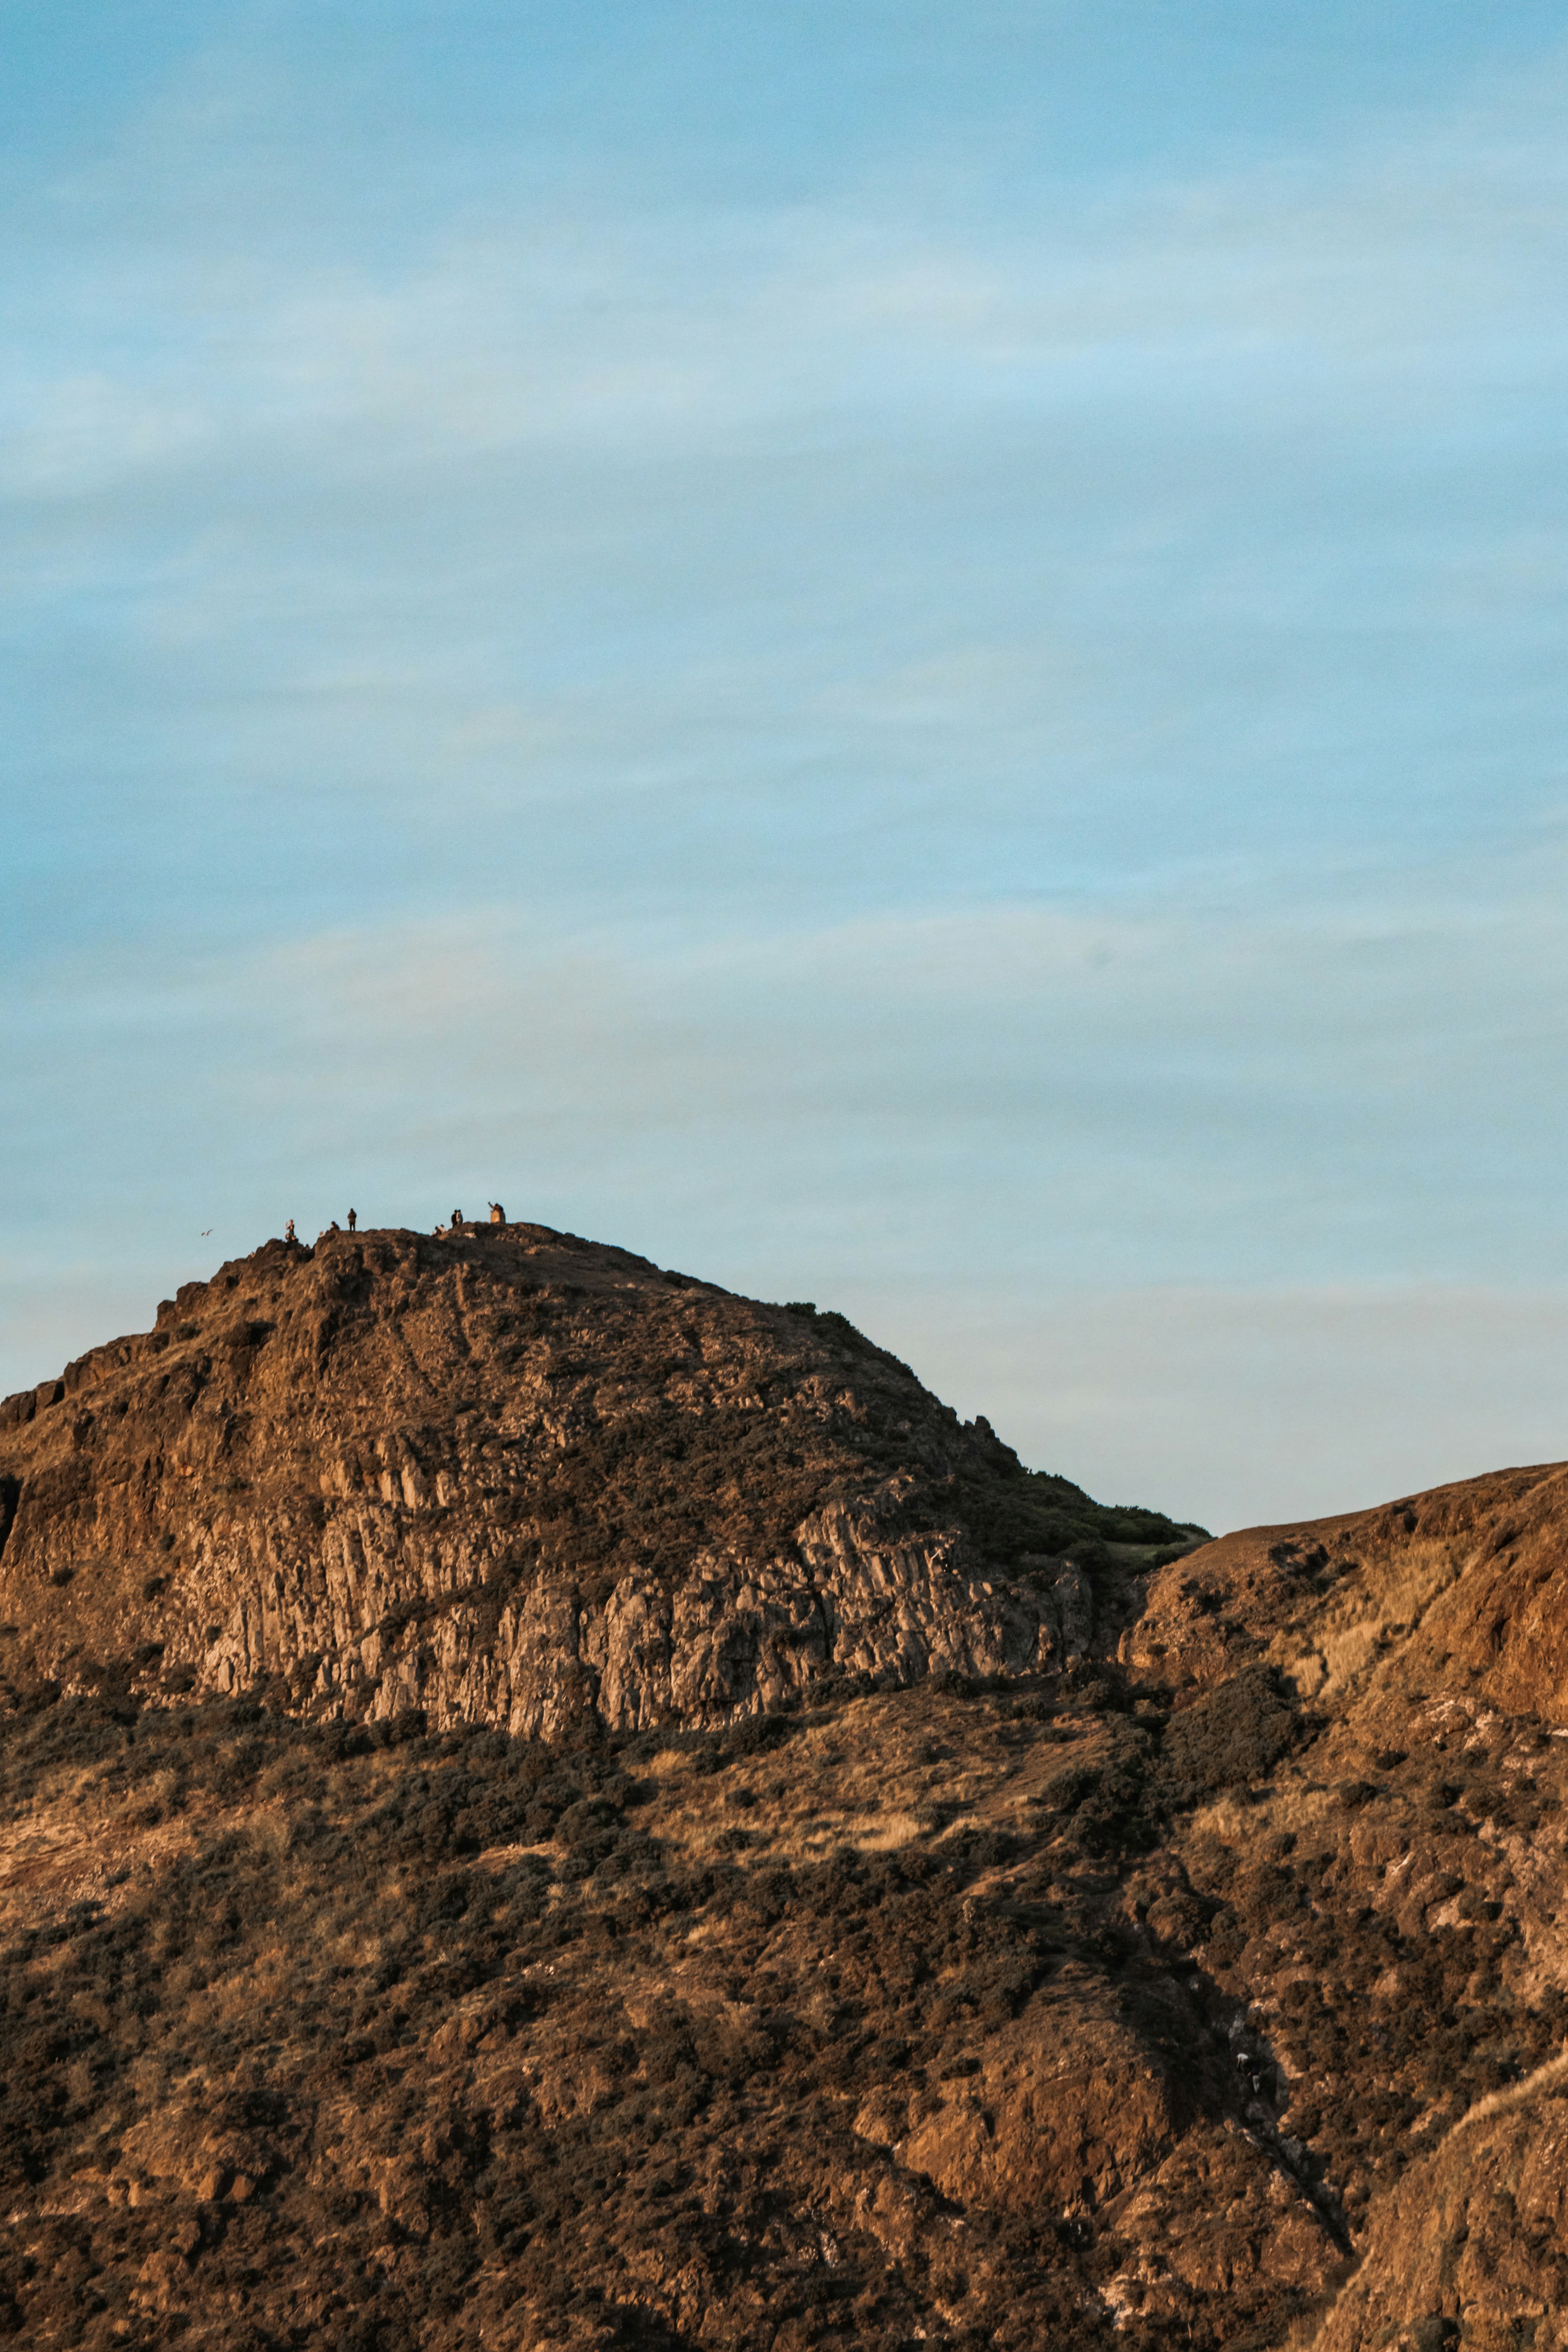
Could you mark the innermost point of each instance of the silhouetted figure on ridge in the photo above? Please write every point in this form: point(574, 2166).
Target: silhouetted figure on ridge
point(498, 1215)
point(353, 1219)
point(289, 1235)
point(456, 1220)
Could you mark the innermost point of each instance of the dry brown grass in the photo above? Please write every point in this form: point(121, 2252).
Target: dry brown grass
point(1367, 1621)
point(881, 1775)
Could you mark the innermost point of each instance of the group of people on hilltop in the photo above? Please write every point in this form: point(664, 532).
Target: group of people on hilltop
point(498, 1217)
point(458, 1222)
point(290, 1235)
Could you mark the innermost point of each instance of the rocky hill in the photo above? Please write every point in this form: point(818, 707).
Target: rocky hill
point(545, 1803)
point(518, 1479)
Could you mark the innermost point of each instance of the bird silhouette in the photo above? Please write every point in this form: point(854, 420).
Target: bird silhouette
point(205, 1230)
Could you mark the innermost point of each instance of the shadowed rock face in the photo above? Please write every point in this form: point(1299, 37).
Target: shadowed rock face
point(545, 1803)
point(515, 1478)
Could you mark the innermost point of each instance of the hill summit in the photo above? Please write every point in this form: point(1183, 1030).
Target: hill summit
point(515, 1479)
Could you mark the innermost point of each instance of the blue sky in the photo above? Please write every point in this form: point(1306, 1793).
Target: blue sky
point(900, 654)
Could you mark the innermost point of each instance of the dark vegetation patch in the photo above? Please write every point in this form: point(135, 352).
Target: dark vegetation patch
point(1112, 1806)
point(828, 1320)
point(1397, 2003)
point(1036, 1512)
point(1235, 1732)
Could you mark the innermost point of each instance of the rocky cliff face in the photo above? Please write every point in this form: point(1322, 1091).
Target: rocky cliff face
point(545, 1804)
point(515, 1478)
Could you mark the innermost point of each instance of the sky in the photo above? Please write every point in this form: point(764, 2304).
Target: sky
point(903, 654)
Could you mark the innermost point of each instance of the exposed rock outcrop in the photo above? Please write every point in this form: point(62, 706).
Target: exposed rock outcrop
point(512, 1477)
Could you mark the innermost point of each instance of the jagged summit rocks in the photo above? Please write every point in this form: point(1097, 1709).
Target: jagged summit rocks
point(513, 1477)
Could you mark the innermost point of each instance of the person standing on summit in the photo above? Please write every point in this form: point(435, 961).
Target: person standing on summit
point(352, 1219)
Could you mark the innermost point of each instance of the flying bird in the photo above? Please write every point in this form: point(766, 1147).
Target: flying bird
point(205, 1230)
